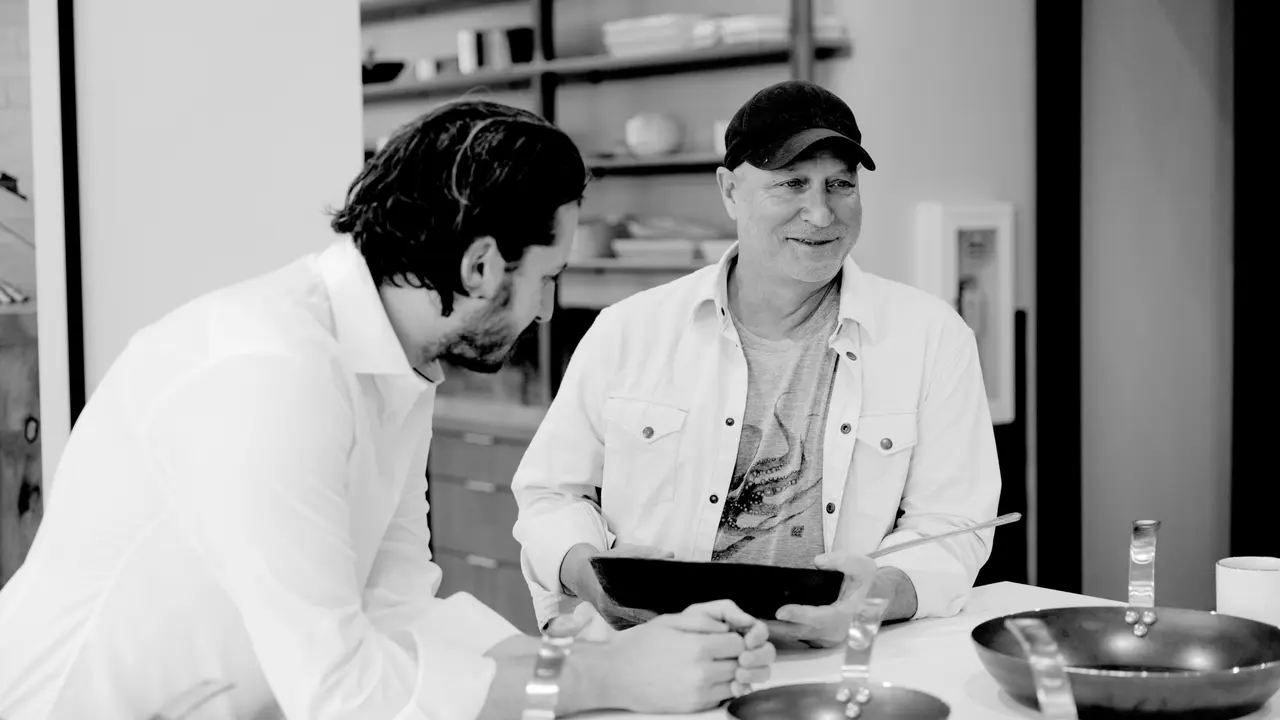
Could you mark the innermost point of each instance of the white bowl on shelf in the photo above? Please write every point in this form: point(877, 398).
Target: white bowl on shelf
point(655, 250)
point(653, 134)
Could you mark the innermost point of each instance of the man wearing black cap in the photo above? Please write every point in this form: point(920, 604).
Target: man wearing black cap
point(783, 407)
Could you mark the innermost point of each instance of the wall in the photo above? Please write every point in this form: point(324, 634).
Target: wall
point(213, 136)
point(47, 197)
point(1156, 274)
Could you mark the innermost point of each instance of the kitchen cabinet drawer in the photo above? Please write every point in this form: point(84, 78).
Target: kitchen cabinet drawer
point(472, 516)
point(472, 455)
point(500, 586)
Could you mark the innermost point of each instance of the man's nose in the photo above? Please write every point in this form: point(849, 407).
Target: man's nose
point(817, 208)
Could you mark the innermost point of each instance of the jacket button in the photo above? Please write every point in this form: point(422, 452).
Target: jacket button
point(728, 421)
point(851, 356)
point(648, 433)
point(831, 508)
point(845, 428)
point(715, 499)
point(885, 443)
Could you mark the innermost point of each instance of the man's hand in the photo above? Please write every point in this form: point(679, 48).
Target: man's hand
point(578, 577)
point(681, 663)
point(829, 625)
point(690, 661)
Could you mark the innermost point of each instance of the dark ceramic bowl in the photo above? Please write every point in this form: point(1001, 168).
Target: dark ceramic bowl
point(381, 72)
point(670, 586)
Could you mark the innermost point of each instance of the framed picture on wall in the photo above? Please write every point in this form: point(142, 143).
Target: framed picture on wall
point(964, 255)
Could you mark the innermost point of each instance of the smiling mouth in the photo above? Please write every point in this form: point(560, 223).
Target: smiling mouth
point(813, 242)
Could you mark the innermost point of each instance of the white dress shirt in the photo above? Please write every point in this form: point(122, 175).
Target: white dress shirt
point(243, 499)
point(650, 412)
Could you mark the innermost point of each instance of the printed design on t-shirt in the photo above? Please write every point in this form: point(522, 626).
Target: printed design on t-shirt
point(767, 491)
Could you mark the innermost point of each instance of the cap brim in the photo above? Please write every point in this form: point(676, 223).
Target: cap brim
point(783, 153)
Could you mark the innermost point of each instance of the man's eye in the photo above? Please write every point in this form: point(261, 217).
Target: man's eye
point(795, 183)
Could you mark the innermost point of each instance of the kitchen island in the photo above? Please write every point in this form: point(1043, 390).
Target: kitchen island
point(935, 655)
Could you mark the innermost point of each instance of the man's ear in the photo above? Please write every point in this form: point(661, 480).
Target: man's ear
point(482, 268)
point(730, 185)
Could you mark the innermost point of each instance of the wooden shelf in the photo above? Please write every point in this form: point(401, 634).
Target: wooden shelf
point(596, 284)
point(664, 165)
point(518, 77)
point(372, 11)
point(598, 68)
point(632, 166)
point(603, 67)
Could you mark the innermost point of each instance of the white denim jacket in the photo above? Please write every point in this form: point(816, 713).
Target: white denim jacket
point(650, 410)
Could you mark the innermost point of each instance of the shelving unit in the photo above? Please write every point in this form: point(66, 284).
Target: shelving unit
point(372, 11)
point(625, 165)
point(598, 68)
point(663, 165)
point(597, 284)
point(479, 440)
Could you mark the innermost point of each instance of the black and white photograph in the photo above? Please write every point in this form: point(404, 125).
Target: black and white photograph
point(636, 359)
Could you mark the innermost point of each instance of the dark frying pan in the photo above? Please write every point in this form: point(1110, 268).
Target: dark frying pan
point(856, 695)
point(1143, 661)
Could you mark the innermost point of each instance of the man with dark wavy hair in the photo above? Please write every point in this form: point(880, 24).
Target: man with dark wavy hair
point(242, 502)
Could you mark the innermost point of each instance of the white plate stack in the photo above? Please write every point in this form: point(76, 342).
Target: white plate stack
point(774, 29)
point(653, 34)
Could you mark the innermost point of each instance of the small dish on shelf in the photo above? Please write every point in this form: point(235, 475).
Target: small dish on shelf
point(376, 73)
point(672, 227)
point(654, 250)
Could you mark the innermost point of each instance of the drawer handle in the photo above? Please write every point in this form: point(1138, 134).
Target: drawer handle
point(480, 486)
point(477, 439)
point(482, 561)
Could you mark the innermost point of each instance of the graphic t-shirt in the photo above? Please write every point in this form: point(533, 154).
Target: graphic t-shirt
point(773, 510)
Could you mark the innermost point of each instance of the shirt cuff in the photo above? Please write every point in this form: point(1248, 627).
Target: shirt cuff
point(941, 583)
point(557, 533)
point(453, 682)
point(464, 622)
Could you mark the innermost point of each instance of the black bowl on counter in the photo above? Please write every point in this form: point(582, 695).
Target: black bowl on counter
point(670, 586)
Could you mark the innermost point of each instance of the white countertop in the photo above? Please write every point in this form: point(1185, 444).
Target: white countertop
point(936, 656)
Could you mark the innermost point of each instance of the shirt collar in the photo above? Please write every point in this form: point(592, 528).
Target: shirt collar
point(368, 342)
point(856, 301)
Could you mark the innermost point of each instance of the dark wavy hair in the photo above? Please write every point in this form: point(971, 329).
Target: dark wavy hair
point(463, 171)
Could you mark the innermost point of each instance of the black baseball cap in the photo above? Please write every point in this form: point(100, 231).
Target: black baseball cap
point(781, 121)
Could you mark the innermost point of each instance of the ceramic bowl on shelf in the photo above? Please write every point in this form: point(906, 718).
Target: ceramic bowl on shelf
point(653, 134)
point(380, 72)
point(659, 227)
point(592, 239)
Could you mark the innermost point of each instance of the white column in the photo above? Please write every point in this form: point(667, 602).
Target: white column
point(213, 137)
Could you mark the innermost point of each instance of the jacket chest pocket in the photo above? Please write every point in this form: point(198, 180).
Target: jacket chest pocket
point(881, 459)
point(641, 451)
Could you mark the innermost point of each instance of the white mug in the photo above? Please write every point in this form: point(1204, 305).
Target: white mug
point(1249, 587)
